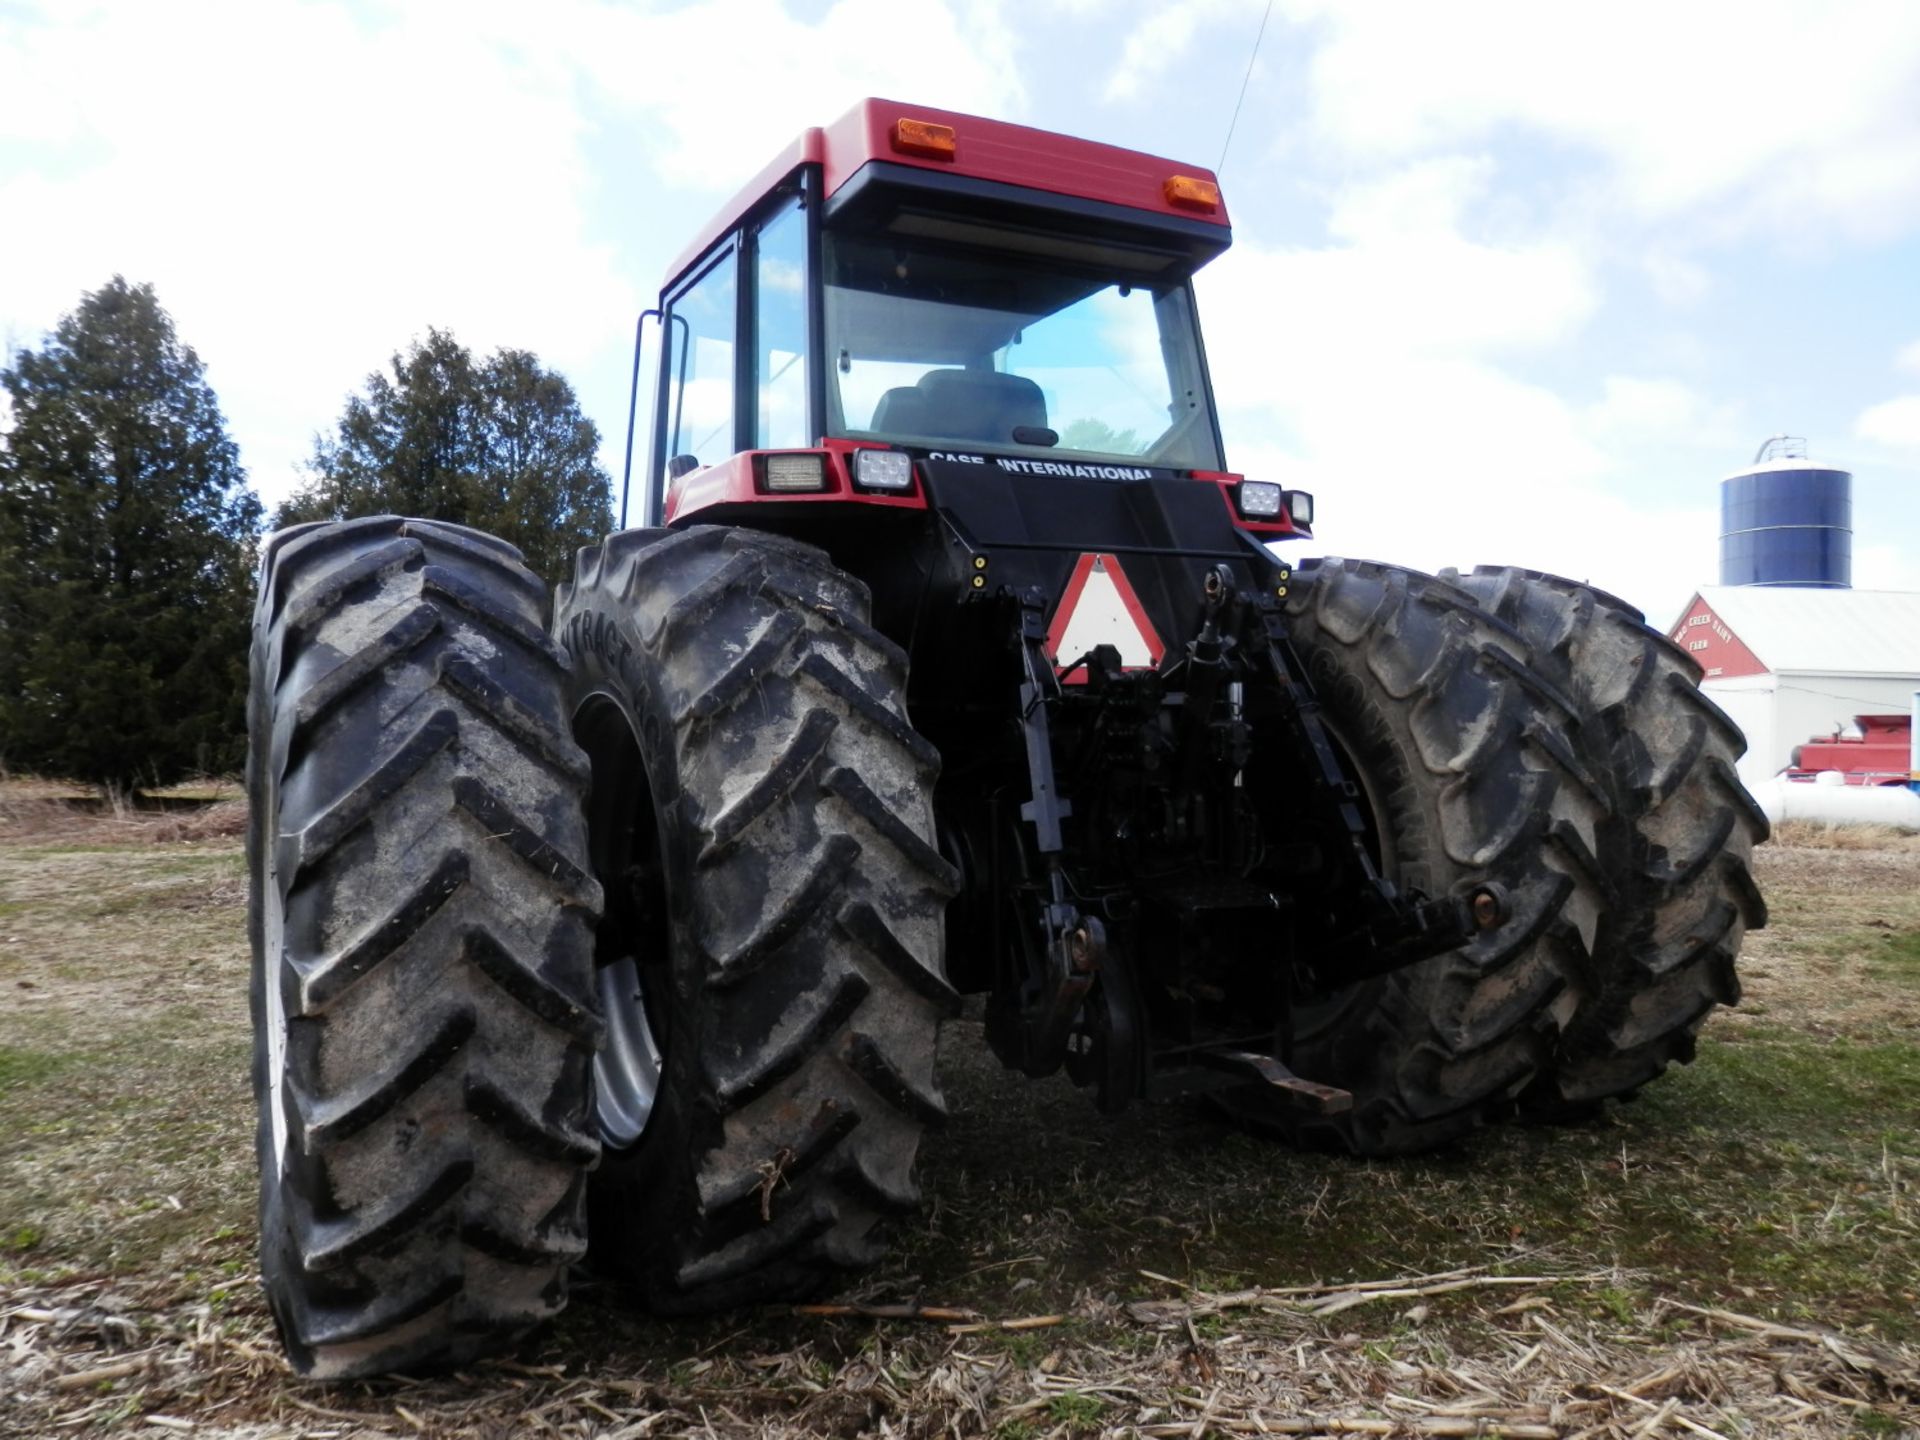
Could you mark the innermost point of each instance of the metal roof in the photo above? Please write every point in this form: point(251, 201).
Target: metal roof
point(1792, 467)
point(1821, 632)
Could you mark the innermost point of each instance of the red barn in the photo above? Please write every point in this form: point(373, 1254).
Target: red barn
point(1791, 664)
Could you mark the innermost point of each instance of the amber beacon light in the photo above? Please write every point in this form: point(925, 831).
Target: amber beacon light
point(923, 137)
point(1190, 192)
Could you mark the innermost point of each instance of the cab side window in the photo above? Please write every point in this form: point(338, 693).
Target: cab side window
point(780, 331)
point(700, 400)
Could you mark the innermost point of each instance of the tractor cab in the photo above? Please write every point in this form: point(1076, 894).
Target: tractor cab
point(909, 287)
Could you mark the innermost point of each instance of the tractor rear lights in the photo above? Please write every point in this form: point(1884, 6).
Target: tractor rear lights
point(1300, 508)
point(789, 473)
point(1260, 500)
point(1190, 192)
point(924, 138)
point(882, 469)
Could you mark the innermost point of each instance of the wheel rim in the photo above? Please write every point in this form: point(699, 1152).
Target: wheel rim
point(630, 978)
point(626, 1069)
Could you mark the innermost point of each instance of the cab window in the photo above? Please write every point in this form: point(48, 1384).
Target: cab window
point(780, 331)
point(700, 397)
point(1090, 355)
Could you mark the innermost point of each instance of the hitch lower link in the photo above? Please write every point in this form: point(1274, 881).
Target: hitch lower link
point(1394, 929)
point(1035, 1036)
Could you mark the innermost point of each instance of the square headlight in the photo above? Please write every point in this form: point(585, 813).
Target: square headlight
point(882, 469)
point(1259, 500)
point(805, 471)
point(1300, 507)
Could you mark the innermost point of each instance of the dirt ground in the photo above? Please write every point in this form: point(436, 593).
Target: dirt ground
point(1737, 1253)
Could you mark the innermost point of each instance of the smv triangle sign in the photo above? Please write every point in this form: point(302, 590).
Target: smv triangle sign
point(1101, 608)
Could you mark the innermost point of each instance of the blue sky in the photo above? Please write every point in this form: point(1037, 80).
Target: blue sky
point(1512, 283)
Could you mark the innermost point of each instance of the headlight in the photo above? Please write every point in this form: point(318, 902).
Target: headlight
point(1259, 500)
point(796, 472)
point(1300, 507)
point(882, 469)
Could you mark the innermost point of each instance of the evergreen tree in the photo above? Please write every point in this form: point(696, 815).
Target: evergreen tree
point(126, 554)
point(501, 446)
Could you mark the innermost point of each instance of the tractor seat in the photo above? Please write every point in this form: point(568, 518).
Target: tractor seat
point(902, 411)
point(982, 405)
point(979, 405)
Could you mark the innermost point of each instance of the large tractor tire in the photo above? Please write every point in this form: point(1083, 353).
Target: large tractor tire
point(1461, 749)
point(1675, 862)
point(421, 918)
point(770, 963)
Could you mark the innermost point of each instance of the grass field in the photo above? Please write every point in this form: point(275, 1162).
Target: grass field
point(1736, 1253)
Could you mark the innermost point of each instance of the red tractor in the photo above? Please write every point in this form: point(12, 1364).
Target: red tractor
point(950, 659)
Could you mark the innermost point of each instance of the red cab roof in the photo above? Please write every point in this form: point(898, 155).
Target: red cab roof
point(983, 150)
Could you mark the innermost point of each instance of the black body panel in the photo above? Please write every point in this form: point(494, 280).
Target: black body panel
point(1165, 530)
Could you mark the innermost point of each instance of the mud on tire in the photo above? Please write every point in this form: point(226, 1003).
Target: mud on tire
point(1676, 857)
point(762, 818)
point(1462, 747)
point(421, 921)
point(1623, 842)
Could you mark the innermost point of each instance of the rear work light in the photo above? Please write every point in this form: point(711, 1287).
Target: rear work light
point(795, 472)
point(1259, 500)
point(882, 469)
point(1300, 507)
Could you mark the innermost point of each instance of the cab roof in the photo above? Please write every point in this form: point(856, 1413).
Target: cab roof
point(983, 150)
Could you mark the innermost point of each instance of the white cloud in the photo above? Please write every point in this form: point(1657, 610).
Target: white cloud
point(1383, 373)
point(1404, 286)
point(309, 185)
point(1676, 281)
point(1892, 422)
point(1908, 358)
point(1790, 116)
point(784, 74)
point(307, 193)
point(1157, 43)
point(1152, 47)
point(1641, 407)
point(1639, 412)
point(1885, 567)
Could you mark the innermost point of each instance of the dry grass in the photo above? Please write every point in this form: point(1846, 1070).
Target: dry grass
point(1738, 1253)
point(1824, 835)
point(48, 812)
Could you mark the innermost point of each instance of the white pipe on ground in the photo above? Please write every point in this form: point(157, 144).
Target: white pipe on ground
point(1840, 804)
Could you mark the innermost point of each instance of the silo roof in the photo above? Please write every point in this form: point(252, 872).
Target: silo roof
point(1796, 630)
point(1772, 467)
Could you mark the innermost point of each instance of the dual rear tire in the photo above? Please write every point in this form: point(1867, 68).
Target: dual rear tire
point(422, 921)
point(762, 819)
point(1522, 732)
point(453, 1064)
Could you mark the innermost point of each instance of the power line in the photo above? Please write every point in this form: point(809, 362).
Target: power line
point(1253, 55)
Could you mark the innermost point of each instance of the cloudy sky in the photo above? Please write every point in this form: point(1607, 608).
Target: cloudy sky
point(1512, 282)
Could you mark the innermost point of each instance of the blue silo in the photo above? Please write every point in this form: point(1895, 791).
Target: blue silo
point(1787, 521)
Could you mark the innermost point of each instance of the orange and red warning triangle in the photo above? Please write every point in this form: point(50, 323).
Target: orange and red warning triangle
point(1100, 607)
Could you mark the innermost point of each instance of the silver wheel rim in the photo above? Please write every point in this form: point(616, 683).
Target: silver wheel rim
point(626, 1069)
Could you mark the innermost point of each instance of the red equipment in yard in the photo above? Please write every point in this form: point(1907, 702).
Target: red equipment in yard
point(1881, 754)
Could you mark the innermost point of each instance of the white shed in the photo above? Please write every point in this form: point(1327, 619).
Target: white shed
point(1789, 664)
